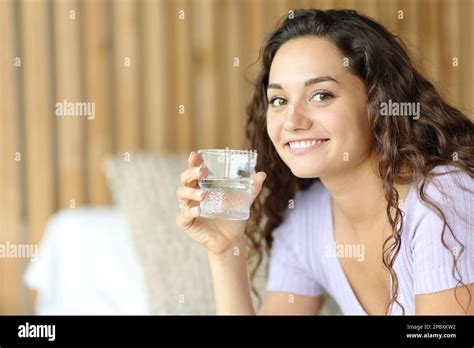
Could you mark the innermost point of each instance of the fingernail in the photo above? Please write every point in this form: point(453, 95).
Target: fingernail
point(190, 155)
point(197, 170)
point(200, 195)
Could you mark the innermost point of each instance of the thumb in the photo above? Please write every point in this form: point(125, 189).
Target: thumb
point(258, 178)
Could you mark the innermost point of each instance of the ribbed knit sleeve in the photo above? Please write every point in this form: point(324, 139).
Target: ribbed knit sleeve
point(432, 261)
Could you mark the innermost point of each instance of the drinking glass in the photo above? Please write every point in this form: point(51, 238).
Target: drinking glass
point(228, 183)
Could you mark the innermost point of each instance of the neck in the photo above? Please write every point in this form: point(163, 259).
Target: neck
point(357, 196)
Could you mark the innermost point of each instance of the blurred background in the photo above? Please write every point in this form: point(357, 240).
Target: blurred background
point(165, 76)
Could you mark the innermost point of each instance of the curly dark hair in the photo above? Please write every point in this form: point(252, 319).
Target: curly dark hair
point(407, 149)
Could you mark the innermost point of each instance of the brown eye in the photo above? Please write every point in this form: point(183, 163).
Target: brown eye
point(276, 102)
point(322, 96)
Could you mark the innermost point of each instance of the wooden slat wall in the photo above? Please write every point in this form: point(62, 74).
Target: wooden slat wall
point(449, 36)
point(40, 193)
point(70, 131)
point(204, 82)
point(97, 39)
point(429, 31)
point(466, 53)
point(231, 54)
point(173, 62)
point(128, 69)
point(387, 14)
point(156, 63)
point(184, 113)
point(10, 198)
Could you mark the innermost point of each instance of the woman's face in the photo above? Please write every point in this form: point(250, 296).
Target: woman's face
point(317, 111)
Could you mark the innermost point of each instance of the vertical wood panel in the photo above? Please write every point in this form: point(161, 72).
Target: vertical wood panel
point(409, 26)
point(368, 7)
point(97, 50)
point(301, 4)
point(466, 57)
point(183, 130)
point(430, 45)
point(70, 129)
point(253, 30)
point(222, 74)
point(128, 106)
point(156, 63)
point(38, 106)
point(272, 13)
point(282, 7)
point(320, 4)
point(387, 15)
point(234, 103)
point(205, 88)
point(9, 168)
point(449, 41)
point(345, 4)
point(256, 27)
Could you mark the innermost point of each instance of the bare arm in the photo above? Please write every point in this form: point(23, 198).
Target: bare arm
point(231, 281)
point(444, 302)
point(282, 303)
point(232, 289)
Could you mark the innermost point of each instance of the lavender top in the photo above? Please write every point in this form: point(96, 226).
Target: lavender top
point(304, 262)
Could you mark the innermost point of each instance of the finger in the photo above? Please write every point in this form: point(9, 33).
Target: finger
point(189, 176)
point(194, 159)
point(188, 193)
point(186, 217)
point(258, 178)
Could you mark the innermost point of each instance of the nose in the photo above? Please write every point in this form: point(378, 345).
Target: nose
point(297, 118)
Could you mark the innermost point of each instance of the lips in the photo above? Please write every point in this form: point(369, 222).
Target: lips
point(305, 143)
point(302, 147)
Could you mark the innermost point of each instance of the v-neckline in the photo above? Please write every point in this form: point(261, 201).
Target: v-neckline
point(340, 269)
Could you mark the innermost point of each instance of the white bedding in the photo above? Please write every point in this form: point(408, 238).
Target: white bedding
point(87, 265)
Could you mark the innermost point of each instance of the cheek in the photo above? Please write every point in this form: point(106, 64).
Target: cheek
point(274, 133)
point(273, 130)
point(353, 133)
point(363, 132)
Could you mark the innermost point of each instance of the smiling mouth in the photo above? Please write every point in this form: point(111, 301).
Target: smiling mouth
point(303, 147)
point(304, 144)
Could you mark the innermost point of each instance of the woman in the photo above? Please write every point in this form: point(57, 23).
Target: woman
point(370, 175)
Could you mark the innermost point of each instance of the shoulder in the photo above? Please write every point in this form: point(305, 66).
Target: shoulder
point(450, 184)
point(442, 233)
point(451, 190)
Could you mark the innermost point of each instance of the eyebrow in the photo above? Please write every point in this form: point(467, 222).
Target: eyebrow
point(309, 82)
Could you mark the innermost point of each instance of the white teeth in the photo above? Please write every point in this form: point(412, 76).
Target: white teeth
point(303, 143)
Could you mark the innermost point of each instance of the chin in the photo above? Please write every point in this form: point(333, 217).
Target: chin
point(305, 170)
point(306, 173)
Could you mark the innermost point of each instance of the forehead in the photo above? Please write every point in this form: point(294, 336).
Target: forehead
point(300, 58)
